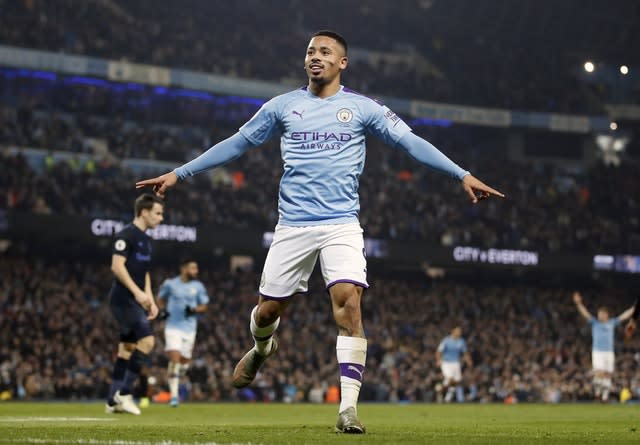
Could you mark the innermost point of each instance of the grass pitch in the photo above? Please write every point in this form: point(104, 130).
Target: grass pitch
point(267, 424)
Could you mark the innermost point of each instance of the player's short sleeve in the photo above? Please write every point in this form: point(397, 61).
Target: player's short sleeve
point(592, 321)
point(384, 123)
point(615, 321)
point(463, 347)
point(121, 245)
point(263, 125)
point(441, 346)
point(165, 290)
point(203, 297)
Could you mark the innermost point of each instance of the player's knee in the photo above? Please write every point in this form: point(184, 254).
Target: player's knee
point(146, 344)
point(125, 350)
point(346, 311)
point(268, 312)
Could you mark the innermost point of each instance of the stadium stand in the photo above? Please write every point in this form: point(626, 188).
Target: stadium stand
point(509, 56)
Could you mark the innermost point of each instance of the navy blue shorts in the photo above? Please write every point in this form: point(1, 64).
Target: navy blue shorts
point(133, 323)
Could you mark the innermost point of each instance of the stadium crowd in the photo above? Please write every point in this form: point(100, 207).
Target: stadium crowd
point(550, 208)
point(509, 57)
point(527, 343)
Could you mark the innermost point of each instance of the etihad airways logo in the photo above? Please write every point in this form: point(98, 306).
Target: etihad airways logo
point(320, 140)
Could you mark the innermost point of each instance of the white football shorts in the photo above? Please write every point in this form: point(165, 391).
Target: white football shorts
point(177, 340)
point(603, 361)
point(295, 250)
point(451, 371)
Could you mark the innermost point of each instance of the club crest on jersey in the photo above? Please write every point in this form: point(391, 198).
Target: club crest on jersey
point(344, 115)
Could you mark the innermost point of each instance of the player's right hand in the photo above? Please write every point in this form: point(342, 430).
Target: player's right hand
point(160, 183)
point(153, 311)
point(577, 298)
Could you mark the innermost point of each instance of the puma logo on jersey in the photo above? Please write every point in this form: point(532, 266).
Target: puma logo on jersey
point(299, 114)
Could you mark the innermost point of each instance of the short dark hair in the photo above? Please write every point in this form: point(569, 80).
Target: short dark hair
point(186, 259)
point(334, 35)
point(146, 202)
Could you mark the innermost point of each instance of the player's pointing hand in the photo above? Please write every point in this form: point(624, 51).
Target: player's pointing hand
point(160, 183)
point(477, 189)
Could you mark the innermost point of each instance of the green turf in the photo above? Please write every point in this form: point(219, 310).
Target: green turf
point(58, 423)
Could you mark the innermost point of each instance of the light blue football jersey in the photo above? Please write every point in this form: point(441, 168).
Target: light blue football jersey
point(602, 334)
point(178, 294)
point(452, 349)
point(322, 143)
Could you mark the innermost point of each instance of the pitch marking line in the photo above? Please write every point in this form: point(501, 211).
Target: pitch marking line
point(37, 441)
point(54, 419)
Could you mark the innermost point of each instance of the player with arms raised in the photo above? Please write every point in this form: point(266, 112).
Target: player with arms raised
point(602, 355)
point(322, 129)
point(131, 301)
point(182, 298)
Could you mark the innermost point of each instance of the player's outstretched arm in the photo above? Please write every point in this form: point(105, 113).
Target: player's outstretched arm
point(628, 314)
point(577, 299)
point(219, 154)
point(426, 153)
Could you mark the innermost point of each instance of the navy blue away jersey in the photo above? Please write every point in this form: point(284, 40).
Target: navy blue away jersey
point(135, 245)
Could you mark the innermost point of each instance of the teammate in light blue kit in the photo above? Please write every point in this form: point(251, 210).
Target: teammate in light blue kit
point(602, 354)
point(182, 298)
point(450, 350)
point(322, 130)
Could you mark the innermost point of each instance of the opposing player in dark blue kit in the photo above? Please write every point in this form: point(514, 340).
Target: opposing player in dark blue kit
point(131, 301)
point(322, 129)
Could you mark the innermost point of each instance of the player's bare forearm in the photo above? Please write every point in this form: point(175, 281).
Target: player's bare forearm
point(201, 308)
point(583, 311)
point(147, 286)
point(626, 315)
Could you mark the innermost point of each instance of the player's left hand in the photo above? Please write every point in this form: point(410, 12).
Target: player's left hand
point(189, 311)
point(478, 190)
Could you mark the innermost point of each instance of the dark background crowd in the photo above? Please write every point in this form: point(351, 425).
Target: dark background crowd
point(521, 56)
point(73, 145)
point(527, 341)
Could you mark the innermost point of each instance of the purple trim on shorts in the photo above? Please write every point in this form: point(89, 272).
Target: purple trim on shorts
point(272, 298)
point(357, 283)
point(352, 370)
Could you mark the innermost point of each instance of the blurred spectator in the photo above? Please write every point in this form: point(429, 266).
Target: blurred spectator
point(527, 343)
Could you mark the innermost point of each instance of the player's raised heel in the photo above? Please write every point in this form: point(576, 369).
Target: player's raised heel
point(349, 423)
point(127, 403)
point(249, 365)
